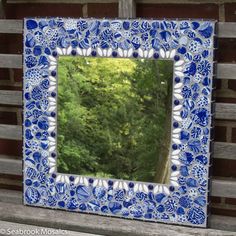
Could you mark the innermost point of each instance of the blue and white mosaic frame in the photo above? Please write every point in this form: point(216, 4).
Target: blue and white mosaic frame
point(189, 43)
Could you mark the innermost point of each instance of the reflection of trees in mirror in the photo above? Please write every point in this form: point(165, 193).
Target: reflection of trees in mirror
point(114, 117)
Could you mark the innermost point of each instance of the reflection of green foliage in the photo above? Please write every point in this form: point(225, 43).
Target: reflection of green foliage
point(110, 116)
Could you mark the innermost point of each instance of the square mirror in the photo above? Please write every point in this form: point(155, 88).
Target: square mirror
point(114, 118)
point(117, 117)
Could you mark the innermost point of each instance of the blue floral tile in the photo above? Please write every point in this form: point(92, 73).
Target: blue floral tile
point(189, 43)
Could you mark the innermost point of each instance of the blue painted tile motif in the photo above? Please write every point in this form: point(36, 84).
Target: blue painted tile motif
point(189, 43)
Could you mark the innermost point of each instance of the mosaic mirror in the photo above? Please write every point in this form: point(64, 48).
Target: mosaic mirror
point(117, 117)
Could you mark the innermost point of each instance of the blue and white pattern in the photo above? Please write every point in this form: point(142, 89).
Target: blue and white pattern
point(189, 43)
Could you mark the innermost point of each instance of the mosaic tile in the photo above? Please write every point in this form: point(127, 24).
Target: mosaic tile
point(189, 43)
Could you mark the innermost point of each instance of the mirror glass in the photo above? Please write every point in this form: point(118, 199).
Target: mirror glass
point(114, 118)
